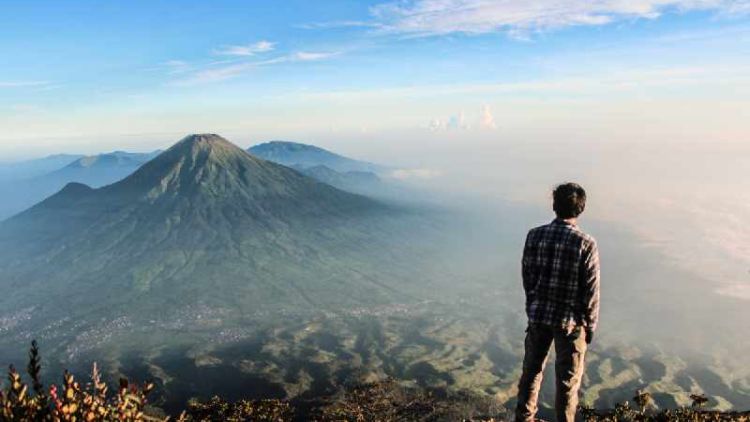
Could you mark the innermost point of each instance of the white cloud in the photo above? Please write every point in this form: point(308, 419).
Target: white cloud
point(435, 17)
point(486, 119)
point(246, 50)
point(457, 122)
point(436, 125)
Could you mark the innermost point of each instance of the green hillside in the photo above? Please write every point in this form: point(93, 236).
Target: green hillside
point(204, 224)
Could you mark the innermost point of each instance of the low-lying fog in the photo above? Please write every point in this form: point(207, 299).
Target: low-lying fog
point(671, 220)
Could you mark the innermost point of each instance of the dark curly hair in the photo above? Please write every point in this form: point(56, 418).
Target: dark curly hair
point(569, 200)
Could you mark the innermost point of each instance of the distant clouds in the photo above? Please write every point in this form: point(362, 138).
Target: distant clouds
point(485, 121)
point(436, 17)
point(245, 50)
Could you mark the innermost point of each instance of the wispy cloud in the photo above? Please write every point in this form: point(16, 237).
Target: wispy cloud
point(338, 24)
point(215, 74)
point(221, 73)
point(436, 17)
point(177, 67)
point(309, 56)
point(23, 84)
point(624, 81)
point(245, 50)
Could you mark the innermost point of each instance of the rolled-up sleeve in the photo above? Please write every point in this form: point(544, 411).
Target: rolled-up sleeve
point(591, 284)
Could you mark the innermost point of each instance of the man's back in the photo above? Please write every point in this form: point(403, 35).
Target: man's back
point(560, 276)
point(561, 281)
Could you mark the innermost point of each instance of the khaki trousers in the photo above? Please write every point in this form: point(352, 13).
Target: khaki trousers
point(570, 347)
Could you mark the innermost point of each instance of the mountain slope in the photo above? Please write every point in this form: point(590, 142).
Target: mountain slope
point(303, 156)
point(363, 182)
point(102, 169)
point(204, 222)
point(95, 171)
point(36, 167)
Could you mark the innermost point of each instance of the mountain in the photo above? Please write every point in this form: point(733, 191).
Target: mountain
point(36, 167)
point(116, 159)
point(95, 171)
point(202, 224)
point(293, 154)
point(363, 182)
point(102, 169)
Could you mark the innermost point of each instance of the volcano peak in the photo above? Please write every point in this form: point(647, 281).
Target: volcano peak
point(202, 141)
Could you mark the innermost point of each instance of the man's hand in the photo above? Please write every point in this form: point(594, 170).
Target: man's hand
point(589, 335)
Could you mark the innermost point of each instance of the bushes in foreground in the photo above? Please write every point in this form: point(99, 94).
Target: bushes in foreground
point(70, 401)
point(623, 412)
point(218, 409)
point(388, 401)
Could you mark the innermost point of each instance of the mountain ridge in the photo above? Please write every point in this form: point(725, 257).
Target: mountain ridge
point(296, 154)
point(204, 216)
point(115, 158)
point(93, 170)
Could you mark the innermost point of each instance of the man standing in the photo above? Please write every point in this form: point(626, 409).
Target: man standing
point(561, 281)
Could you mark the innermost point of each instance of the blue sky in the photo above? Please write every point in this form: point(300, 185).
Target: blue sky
point(92, 76)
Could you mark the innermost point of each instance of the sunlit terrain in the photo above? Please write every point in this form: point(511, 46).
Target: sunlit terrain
point(285, 200)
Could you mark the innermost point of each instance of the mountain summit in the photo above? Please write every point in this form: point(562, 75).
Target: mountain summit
point(210, 165)
point(205, 171)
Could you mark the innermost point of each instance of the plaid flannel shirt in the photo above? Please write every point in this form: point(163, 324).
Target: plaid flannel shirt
point(561, 276)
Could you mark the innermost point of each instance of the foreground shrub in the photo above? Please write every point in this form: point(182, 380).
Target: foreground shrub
point(70, 401)
point(217, 409)
point(624, 413)
point(388, 401)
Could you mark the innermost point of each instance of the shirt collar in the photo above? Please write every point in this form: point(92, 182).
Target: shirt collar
point(562, 222)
